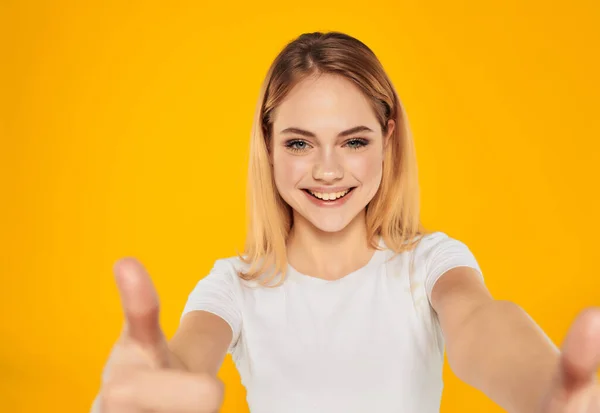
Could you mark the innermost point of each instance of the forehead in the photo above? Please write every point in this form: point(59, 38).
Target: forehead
point(325, 103)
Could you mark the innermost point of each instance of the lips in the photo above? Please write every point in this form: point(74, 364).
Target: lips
point(326, 196)
point(329, 196)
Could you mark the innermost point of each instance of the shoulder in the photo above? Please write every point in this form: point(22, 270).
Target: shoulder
point(426, 247)
point(229, 270)
point(417, 254)
point(436, 247)
point(436, 253)
point(218, 290)
point(435, 239)
point(230, 266)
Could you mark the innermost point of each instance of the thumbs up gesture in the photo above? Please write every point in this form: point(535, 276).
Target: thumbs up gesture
point(142, 374)
point(575, 388)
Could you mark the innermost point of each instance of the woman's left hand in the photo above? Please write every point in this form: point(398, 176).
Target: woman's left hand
point(574, 388)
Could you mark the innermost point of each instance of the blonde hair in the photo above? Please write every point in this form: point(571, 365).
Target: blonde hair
point(393, 213)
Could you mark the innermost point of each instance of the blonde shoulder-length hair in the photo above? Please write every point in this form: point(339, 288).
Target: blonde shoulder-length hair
point(393, 213)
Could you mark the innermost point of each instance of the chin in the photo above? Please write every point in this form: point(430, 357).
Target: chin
point(330, 223)
point(330, 228)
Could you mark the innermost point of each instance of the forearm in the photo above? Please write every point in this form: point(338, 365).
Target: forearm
point(200, 353)
point(200, 344)
point(503, 353)
point(175, 362)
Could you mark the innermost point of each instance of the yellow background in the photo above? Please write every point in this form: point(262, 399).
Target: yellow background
point(124, 128)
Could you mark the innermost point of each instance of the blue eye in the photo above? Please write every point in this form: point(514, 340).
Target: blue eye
point(357, 143)
point(297, 145)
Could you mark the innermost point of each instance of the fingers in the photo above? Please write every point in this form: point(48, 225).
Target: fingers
point(139, 301)
point(585, 400)
point(162, 391)
point(581, 350)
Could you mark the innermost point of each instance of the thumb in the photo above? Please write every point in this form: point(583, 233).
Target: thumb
point(581, 351)
point(139, 301)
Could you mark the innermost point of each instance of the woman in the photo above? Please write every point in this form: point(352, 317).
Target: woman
point(342, 301)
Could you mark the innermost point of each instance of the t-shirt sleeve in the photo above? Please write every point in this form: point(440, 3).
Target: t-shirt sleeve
point(217, 293)
point(442, 253)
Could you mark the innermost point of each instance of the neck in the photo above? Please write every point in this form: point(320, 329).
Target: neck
point(328, 255)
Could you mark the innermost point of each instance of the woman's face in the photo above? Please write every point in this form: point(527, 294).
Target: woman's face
point(327, 151)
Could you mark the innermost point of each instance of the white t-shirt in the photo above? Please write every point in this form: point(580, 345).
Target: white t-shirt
point(368, 342)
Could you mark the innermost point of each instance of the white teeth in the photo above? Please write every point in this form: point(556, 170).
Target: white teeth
point(329, 196)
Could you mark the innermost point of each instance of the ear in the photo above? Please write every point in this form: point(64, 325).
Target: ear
point(391, 125)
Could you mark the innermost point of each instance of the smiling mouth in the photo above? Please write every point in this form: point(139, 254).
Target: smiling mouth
point(329, 196)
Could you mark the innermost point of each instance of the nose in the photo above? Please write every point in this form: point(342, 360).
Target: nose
point(328, 168)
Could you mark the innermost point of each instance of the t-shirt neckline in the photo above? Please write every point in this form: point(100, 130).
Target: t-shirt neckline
point(376, 259)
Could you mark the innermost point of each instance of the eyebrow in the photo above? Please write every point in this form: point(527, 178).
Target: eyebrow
point(342, 134)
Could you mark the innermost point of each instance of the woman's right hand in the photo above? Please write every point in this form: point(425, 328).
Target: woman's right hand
point(142, 374)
